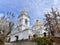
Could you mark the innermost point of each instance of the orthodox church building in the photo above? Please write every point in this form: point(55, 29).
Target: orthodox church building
point(23, 30)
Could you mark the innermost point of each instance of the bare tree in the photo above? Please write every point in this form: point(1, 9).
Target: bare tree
point(6, 27)
point(52, 21)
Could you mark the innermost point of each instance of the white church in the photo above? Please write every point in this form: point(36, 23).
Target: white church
point(23, 30)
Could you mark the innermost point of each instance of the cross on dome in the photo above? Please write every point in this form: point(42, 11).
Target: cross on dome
point(37, 23)
point(24, 12)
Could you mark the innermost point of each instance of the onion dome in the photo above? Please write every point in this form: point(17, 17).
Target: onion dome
point(38, 23)
point(23, 12)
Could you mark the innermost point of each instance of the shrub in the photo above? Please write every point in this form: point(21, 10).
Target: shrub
point(41, 40)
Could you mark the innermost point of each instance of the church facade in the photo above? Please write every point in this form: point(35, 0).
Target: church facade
point(23, 30)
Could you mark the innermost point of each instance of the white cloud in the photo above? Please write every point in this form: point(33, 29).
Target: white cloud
point(1, 14)
point(55, 2)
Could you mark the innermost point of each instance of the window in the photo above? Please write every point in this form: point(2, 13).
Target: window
point(26, 21)
point(16, 38)
point(20, 20)
point(44, 34)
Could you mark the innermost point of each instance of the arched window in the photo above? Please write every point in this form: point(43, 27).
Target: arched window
point(16, 38)
point(26, 21)
point(29, 37)
point(44, 34)
point(35, 35)
point(20, 20)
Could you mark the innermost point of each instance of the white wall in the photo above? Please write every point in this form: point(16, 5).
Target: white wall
point(22, 22)
point(13, 38)
point(24, 34)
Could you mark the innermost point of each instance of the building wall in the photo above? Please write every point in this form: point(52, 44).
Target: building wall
point(22, 35)
point(12, 38)
point(21, 22)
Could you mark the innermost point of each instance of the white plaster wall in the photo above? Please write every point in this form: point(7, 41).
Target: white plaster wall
point(40, 30)
point(23, 35)
point(13, 38)
point(22, 22)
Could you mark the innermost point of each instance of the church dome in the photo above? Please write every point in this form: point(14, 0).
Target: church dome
point(38, 23)
point(23, 12)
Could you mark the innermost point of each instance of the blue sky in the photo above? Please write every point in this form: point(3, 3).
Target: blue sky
point(35, 8)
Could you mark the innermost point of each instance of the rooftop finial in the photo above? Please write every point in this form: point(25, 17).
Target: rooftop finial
point(24, 9)
point(37, 20)
point(24, 12)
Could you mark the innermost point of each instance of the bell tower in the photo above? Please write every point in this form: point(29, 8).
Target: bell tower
point(23, 20)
